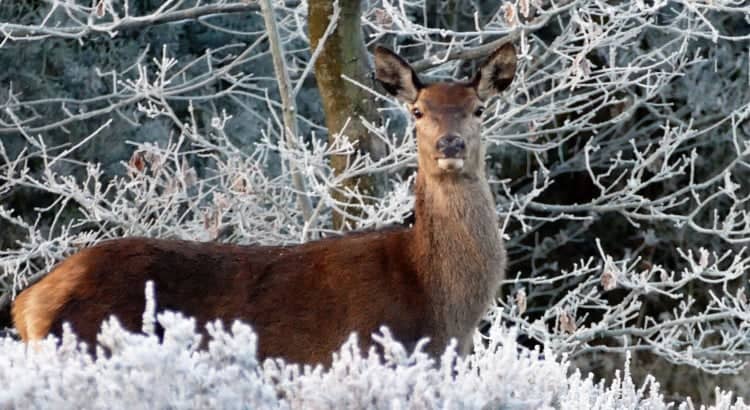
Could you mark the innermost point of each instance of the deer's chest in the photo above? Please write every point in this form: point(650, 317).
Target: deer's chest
point(467, 262)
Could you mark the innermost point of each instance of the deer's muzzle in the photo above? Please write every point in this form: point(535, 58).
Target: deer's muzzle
point(451, 149)
point(451, 146)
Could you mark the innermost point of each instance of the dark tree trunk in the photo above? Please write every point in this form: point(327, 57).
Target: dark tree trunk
point(344, 54)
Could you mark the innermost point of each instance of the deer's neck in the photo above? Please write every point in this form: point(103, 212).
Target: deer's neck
point(459, 249)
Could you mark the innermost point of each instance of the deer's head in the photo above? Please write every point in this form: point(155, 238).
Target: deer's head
point(448, 116)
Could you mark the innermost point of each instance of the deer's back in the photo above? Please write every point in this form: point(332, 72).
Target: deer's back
point(303, 301)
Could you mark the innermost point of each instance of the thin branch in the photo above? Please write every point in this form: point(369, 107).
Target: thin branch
point(17, 31)
point(289, 107)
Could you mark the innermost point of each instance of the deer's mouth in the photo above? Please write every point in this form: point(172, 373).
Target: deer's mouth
point(450, 164)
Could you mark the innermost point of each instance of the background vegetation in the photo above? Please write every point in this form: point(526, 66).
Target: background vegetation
point(618, 157)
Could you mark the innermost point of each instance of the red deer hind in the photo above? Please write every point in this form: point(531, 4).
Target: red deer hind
point(435, 279)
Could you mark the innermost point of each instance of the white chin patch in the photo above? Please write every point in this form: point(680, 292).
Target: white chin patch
point(450, 164)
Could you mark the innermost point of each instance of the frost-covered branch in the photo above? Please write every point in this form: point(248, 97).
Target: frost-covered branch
point(287, 100)
point(70, 20)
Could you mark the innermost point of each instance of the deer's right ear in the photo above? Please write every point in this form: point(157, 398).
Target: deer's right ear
point(396, 75)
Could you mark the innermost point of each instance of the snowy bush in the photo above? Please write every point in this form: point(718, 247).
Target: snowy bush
point(138, 371)
point(619, 157)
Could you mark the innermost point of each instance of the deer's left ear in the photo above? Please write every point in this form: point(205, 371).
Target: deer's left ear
point(496, 73)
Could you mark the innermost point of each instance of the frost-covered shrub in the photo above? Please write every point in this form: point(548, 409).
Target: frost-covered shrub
point(137, 371)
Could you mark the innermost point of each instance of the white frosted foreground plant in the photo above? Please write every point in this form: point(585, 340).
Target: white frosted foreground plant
point(139, 371)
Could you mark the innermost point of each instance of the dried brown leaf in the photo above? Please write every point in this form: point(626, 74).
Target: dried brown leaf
point(567, 322)
point(608, 280)
point(101, 9)
point(521, 301)
point(509, 11)
point(136, 163)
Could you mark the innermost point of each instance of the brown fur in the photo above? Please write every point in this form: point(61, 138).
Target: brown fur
point(434, 280)
point(302, 306)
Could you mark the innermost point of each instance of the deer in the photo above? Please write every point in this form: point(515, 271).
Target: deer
point(433, 279)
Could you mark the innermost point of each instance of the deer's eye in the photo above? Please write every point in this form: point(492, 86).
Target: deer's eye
point(479, 111)
point(417, 114)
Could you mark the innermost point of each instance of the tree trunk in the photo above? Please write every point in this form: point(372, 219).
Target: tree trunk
point(343, 53)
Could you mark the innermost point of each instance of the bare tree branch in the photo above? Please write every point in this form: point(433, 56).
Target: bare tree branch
point(287, 101)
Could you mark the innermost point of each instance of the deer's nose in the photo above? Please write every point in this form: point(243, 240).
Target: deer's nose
point(451, 146)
